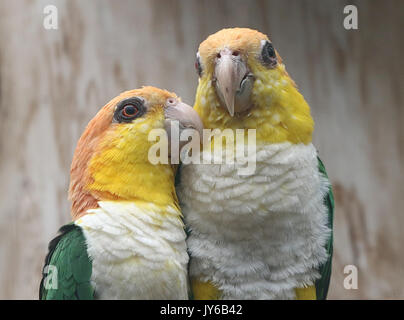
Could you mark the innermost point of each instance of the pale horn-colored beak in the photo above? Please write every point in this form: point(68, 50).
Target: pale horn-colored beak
point(233, 81)
point(188, 118)
point(185, 116)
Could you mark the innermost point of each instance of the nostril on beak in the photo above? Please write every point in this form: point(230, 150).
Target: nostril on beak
point(171, 102)
point(227, 52)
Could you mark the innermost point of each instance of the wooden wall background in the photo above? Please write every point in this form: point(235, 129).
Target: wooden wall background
point(52, 83)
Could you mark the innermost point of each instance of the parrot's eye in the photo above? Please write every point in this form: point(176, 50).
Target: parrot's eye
point(268, 55)
point(198, 65)
point(129, 109)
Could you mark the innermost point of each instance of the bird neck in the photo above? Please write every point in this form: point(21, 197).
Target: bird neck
point(124, 180)
point(113, 176)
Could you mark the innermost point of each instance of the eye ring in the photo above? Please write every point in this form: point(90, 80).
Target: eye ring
point(198, 65)
point(129, 109)
point(268, 54)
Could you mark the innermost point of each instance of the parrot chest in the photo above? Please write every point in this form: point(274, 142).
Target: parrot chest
point(136, 252)
point(258, 236)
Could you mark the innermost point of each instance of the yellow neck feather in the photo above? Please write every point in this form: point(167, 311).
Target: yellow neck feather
point(121, 171)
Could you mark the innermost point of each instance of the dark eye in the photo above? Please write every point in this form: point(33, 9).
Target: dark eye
point(268, 55)
point(129, 109)
point(198, 65)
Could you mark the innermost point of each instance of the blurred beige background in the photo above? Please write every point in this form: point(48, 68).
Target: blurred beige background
point(52, 82)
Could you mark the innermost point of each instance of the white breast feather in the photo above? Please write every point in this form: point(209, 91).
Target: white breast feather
point(138, 252)
point(258, 236)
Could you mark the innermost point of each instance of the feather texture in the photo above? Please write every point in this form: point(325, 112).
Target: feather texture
point(258, 236)
point(138, 251)
point(68, 254)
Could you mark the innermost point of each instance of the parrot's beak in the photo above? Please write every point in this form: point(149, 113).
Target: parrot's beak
point(233, 81)
point(187, 118)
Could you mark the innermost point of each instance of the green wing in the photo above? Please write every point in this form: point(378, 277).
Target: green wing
point(68, 257)
point(322, 284)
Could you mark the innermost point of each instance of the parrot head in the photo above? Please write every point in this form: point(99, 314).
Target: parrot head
point(111, 160)
point(243, 84)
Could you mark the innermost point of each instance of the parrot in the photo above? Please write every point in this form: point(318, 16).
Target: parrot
point(266, 234)
point(127, 238)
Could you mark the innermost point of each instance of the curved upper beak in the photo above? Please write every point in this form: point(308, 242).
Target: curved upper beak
point(186, 116)
point(231, 79)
